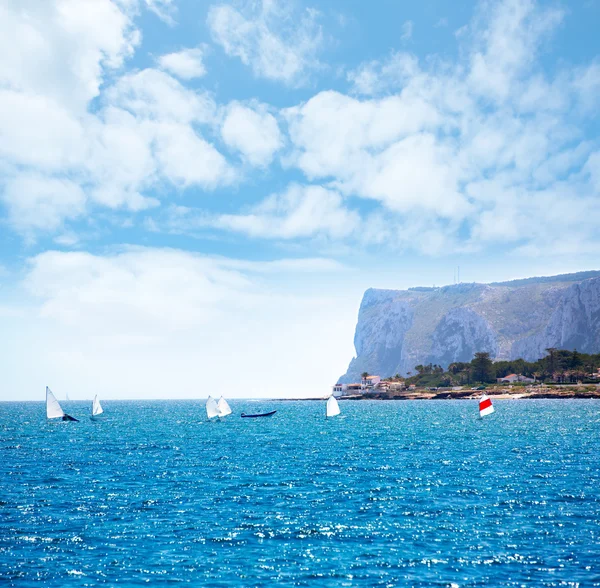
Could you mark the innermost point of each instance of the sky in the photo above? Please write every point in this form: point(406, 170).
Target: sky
point(195, 195)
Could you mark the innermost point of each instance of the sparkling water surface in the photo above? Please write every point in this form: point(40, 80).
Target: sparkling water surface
point(388, 494)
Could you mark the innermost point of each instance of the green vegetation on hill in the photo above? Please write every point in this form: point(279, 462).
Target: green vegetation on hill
point(576, 277)
point(558, 366)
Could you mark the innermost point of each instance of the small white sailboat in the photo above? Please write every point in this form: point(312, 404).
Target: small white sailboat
point(212, 409)
point(223, 406)
point(485, 406)
point(96, 407)
point(333, 408)
point(53, 408)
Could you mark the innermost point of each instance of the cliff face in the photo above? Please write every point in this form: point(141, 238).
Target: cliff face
point(399, 329)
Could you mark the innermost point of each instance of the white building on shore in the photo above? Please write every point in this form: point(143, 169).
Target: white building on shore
point(370, 382)
point(512, 378)
point(339, 389)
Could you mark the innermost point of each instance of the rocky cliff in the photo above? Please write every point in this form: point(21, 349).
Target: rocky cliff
point(399, 329)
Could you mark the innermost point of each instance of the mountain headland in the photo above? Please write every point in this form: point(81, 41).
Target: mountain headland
point(399, 329)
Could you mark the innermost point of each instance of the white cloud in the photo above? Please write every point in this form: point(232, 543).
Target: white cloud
point(152, 322)
point(506, 45)
point(376, 77)
point(267, 36)
point(36, 202)
point(55, 58)
point(155, 95)
point(36, 131)
point(69, 116)
point(60, 48)
point(377, 149)
point(147, 132)
point(586, 84)
point(151, 131)
point(164, 9)
point(253, 132)
point(121, 161)
point(592, 167)
point(186, 64)
point(301, 211)
point(474, 146)
point(185, 158)
point(406, 30)
point(144, 129)
point(412, 174)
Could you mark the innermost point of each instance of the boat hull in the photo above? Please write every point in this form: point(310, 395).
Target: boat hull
point(255, 416)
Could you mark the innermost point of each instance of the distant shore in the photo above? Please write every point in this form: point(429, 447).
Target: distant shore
point(496, 393)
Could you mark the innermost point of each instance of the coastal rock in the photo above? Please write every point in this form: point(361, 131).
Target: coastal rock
point(383, 321)
point(459, 335)
point(574, 324)
point(399, 329)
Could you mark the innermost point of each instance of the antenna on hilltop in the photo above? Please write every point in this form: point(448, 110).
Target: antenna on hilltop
point(459, 274)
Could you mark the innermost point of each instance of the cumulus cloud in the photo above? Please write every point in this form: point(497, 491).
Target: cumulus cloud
point(269, 37)
point(253, 132)
point(42, 203)
point(376, 77)
point(61, 49)
point(155, 95)
point(144, 128)
point(506, 45)
point(480, 146)
point(490, 135)
point(187, 159)
point(301, 211)
point(186, 64)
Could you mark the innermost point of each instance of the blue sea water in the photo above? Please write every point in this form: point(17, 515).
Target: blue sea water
point(388, 494)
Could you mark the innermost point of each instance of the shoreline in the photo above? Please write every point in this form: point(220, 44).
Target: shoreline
point(494, 394)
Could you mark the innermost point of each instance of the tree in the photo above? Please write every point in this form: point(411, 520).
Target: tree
point(551, 359)
point(457, 367)
point(482, 367)
point(467, 374)
point(364, 375)
point(446, 381)
point(576, 360)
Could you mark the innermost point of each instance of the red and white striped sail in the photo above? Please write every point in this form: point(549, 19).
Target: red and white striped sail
point(485, 406)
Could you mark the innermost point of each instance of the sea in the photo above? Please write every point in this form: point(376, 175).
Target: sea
point(390, 493)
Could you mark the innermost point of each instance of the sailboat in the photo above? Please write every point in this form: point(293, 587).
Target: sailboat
point(485, 406)
point(223, 406)
point(212, 409)
point(333, 408)
point(96, 407)
point(53, 408)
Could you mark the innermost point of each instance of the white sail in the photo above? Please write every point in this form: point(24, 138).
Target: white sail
point(224, 408)
point(53, 409)
point(212, 410)
point(96, 407)
point(333, 408)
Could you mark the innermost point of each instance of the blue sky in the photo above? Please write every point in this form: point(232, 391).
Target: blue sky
point(192, 188)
